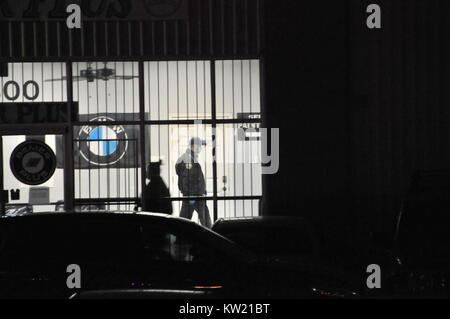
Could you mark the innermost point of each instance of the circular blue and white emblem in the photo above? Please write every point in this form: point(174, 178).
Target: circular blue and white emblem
point(103, 145)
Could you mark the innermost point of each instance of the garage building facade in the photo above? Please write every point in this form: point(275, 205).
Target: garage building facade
point(136, 82)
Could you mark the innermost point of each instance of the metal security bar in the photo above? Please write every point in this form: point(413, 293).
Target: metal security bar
point(183, 102)
point(23, 84)
point(134, 113)
point(151, 107)
point(106, 142)
point(107, 89)
point(31, 82)
point(202, 30)
point(107, 168)
point(239, 142)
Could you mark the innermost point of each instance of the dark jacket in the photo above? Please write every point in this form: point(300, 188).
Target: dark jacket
point(191, 180)
point(157, 197)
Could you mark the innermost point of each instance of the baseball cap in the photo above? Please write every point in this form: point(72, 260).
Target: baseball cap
point(197, 141)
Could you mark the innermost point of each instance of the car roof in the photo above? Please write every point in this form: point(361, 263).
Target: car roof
point(89, 213)
point(263, 221)
point(154, 217)
point(139, 294)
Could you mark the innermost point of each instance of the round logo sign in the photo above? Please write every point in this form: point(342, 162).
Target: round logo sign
point(33, 162)
point(162, 8)
point(103, 145)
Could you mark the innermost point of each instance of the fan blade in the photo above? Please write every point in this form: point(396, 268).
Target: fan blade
point(64, 78)
point(78, 78)
point(54, 80)
point(124, 77)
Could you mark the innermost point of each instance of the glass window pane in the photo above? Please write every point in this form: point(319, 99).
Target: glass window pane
point(237, 88)
point(106, 90)
point(238, 152)
point(107, 163)
point(34, 82)
point(177, 90)
point(238, 208)
point(170, 143)
point(38, 198)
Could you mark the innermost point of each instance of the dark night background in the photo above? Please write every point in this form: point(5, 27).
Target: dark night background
point(359, 110)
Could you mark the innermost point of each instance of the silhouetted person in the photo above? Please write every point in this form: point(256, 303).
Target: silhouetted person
point(157, 195)
point(191, 183)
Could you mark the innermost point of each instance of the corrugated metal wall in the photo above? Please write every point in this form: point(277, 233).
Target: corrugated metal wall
point(399, 103)
point(361, 109)
point(213, 27)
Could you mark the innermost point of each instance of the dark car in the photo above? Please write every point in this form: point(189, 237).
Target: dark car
point(422, 242)
point(123, 251)
point(143, 294)
point(287, 241)
point(422, 247)
point(274, 238)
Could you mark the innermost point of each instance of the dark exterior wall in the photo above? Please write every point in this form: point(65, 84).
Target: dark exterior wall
point(399, 104)
point(305, 78)
point(361, 108)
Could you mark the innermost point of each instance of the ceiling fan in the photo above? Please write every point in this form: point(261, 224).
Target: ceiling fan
point(90, 74)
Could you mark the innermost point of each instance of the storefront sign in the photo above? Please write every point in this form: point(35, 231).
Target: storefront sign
point(249, 131)
point(37, 113)
point(94, 9)
point(103, 145)
point(33, 162)
point(249, 116)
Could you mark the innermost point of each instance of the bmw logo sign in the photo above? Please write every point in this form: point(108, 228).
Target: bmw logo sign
point(103, 145)
point(33, 163)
